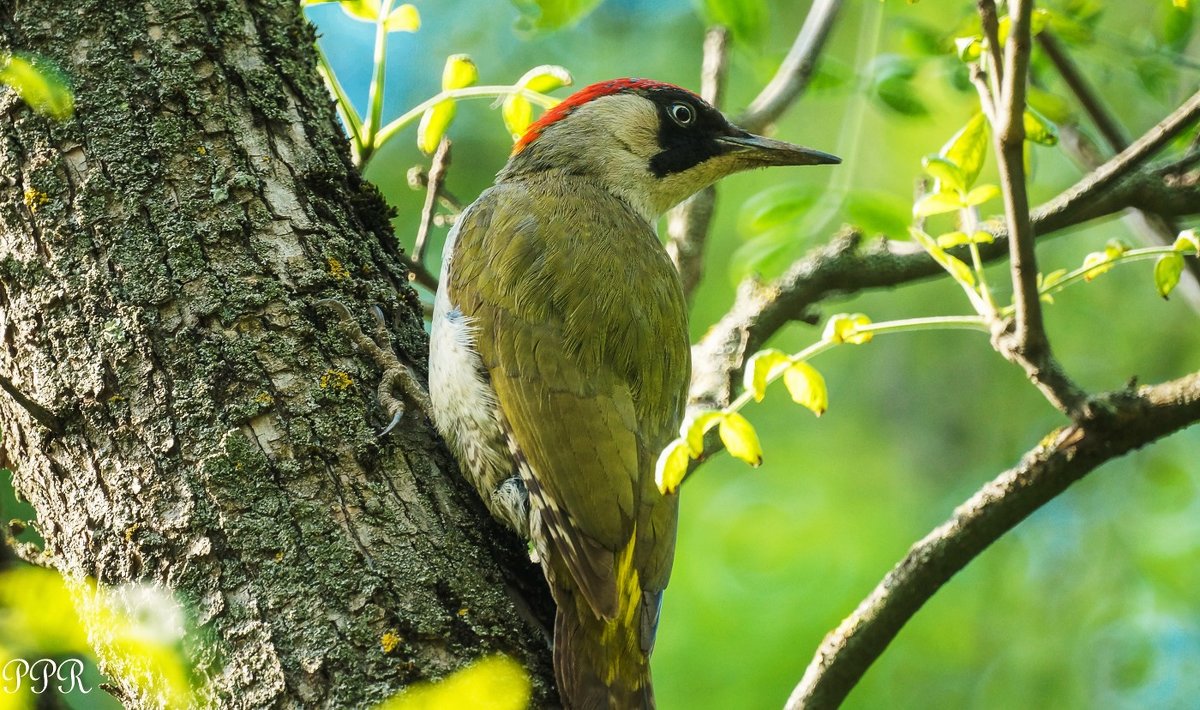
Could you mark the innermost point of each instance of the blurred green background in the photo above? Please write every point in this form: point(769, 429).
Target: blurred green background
point(1092, 602)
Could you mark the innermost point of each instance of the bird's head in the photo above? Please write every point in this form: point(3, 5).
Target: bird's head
point(652, 144)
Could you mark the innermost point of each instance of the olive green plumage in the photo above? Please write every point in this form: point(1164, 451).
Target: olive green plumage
point(584, 338)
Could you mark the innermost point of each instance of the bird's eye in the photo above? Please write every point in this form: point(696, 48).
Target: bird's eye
point(682, 113)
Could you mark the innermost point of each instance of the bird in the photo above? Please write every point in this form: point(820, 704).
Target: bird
point(560, 359)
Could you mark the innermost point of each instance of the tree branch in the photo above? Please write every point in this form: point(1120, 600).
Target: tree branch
point(40, 414)
point(1127, 420)
point(797, 69)
point(1026, 343)
point(688, 224)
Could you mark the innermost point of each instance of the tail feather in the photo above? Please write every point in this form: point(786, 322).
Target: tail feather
point(597, 665)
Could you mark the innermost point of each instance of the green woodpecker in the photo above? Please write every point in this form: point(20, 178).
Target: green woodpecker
point(559, 357)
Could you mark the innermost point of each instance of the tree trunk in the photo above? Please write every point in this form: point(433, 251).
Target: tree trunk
point(182, 409)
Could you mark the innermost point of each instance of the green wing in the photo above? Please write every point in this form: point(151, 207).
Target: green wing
point(582, 328)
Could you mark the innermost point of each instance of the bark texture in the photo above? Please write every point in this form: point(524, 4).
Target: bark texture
point(163, 256)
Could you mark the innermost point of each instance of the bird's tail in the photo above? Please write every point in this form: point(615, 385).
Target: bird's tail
point(600, 664)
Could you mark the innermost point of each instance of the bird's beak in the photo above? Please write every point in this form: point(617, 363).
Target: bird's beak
point(760, 151)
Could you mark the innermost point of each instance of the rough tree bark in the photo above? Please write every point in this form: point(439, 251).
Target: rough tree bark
point(206, 424)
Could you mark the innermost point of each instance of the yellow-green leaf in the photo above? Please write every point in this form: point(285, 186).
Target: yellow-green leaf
point(364, 10)
point(1046, 282)
point(807, 387)
point(948, 175)
point(434, 123)
point(1096, 263)
point(695, 426)
point(671, 467)
point(968, 48)
point(517, 113)
point(545, 78)
point(967, 149)
point(495, 683)
point(740, 439)
point(952, 264)
point(460, 71)
point(1187, 241)
point(937, 203)
point(759, 369)
point(39, 84)
point(952, 239)
point(1039, 129)
point(844, 328)
point(1115, 247)
point(981, 194)
point(403, 19)
point(1167, 271)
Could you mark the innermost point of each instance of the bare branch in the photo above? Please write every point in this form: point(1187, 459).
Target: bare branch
point(437, 178)
point(991, 34)
point(1126, 421)
point(797, 69)
point(688, 224)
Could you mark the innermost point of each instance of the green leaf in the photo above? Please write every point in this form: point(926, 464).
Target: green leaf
point(878, 212)
point(495, 682)
point(807, 387)
point(363, 10)
point(39, 83)
point(671, 467)
point(967, 149)
point(1187, 241)
point(892, 85)
point(545, 78)
point(767, 254)
point(517, 113)
point(403, 19)
point(550, 15)
point(759, 369)
point(459, 72)
point(981, 194)
point(1096, 263)
point(948, 175)
point(844, 328)
point(969, 48)
point(952, 264)
point(1053, 106)
point(775, 206)
point(1039, 129)
point(695, 426)
point(1046, 282)
point(740, 439)
point(1167, 271)
point(434, 123)
point(746, 19)
point(937, 203)
point(1177, 26)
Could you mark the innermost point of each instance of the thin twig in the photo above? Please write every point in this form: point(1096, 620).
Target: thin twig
point(1129, 420)
point(796, 71)
point(991, 36)
point(418, 273)
point(1026, 344)
point(688, 224)
point(437, 178)
point(1152, 228)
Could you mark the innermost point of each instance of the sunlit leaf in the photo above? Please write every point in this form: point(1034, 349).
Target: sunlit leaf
point(517, 111)
point(1045, 282)
point(364, 10)
point(955, 239)
point(550, 15)
point(37, 613)
point(433, 125)
point(1039, 129)
point(459, 72)
point(1167, 271)
point(1177, 25)
point(39, 83)
point(968, 49)
point(952, 264)
point(947, 174)
point(671, 466)
point(844, 328)
point(967, 149)
point(1187, 241)
point(695, 426)
point(403, 19)
point(981, 194)
point(740, 439)
point(546, 78)
point(495, 683)
point(1096, 263)
point(807, 387)
point(937, 203)
point(760, 367)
